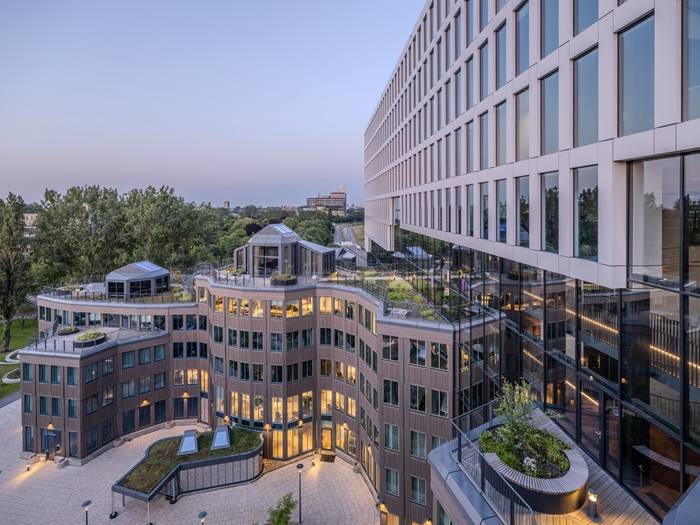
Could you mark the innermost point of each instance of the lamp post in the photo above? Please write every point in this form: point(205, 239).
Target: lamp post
point(86, 507)
point(202, 516)
point(299, 467)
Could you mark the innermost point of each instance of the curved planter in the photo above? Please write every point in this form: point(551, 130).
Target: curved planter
point(90, 342)
point(560, 495)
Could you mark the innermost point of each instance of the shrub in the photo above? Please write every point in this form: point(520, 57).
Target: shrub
point(91, 335)
point(68, 330)
point(518, 443)
point(282, 513)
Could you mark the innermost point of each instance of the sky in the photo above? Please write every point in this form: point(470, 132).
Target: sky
point(251, 101)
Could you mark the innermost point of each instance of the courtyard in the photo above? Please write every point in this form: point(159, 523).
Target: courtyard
point(47, 494)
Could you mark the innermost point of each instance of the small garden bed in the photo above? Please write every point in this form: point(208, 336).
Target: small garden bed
point(68, 330)
point(518, 443)
point(283, 280)
point(162, 456)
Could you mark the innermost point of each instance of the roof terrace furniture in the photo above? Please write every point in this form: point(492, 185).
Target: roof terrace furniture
point(137, 279)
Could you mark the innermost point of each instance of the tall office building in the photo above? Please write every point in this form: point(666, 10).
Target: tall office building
point(532, 167)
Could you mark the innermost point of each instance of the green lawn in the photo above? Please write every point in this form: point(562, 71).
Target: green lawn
point(162, 456)
point(19, 339)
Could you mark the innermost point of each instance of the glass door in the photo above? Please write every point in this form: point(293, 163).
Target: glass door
point(326, 439)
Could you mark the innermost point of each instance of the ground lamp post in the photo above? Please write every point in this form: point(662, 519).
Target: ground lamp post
point(299, 467)
point(86, 506)
point(202, 516)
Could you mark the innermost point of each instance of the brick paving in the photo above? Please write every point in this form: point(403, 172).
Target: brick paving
point(331, 492)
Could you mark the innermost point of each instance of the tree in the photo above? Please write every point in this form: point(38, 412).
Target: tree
point(14, 263)
point(282, 513)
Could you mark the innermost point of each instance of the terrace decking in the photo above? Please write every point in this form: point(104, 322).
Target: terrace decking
point(615, 505)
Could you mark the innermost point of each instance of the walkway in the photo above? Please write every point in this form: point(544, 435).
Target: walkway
point(46, 494)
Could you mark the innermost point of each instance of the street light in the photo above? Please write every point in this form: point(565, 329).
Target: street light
point(202, 516)
point(86, 506)
point(299, 467)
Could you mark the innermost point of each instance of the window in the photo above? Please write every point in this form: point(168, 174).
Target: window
point(691, 59)
point(585, 14)
point(244, 339)
point(501, 56)
point(232, 337)
point(128, 389)
point(418, 490)
point(28, 372)
point(202, 323)
point(159, 353)
point(325, 305)
point(218, 334)
point(307, 306)
point(470, 82)
point(128, 359)
point(438, 356)
point(501, 134)
point(418, 449)
point(144, 356)
point(276, 373)
point(501, 209)
point(91, 373)
point(72, 408)
point(586, 212)
point(550, 26)
point(28, 405)
point(390, 347)
point(654, 218)
point(636, 78)
point(484, 141)
point(417, 398)
point(325, 334)
point(276, 342)
point(550, 215)
point(522, 216)
point(470, 210)
point(438, 403)
point(293, 372)
point(245, 371)
point(307, 369)
point(483, 14)
point(484, 190)
point(550, 113)
point(417, 352)
point(349, 342)
point(391, 481)
point(144, 385)
point(522, 38)
point(292, 340)
point(257, 373)
point(586, 99)
point(483, 71)
point(522, 125)
point(233, 306)
point(458, 94)
point(192, 376)
point(258, 309)
point(55, 375)
point(159, 381)
point(42, 374)
point(218, 365)
point(391, 392)
point(176, 321)
point(470, 146)
point(71, 375)
point(391, 437)
point(257, 340)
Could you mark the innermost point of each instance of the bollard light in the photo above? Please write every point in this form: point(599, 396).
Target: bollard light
point(592, 504)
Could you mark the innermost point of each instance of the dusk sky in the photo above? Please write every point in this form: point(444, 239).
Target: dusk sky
point(247, 101)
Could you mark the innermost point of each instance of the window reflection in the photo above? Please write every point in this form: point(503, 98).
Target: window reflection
point(599, 331)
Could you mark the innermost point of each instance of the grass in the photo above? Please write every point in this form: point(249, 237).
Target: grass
point(162, 456)
point(19, 338)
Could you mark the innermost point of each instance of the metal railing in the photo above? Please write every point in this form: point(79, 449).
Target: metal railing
point(498, 492)
point(71, 346)
point(184, 296)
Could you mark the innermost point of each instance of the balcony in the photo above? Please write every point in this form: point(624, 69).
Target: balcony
point(471, 490)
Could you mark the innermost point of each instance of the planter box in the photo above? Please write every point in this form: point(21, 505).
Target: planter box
point(560, 495)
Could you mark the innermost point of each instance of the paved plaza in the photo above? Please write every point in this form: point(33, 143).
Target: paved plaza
point(332, 493)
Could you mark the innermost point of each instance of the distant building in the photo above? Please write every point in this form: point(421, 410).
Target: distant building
point(227, 205)
point(30, 224)
point(335, 202)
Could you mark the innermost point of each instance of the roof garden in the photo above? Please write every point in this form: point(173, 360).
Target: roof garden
point(164, 455)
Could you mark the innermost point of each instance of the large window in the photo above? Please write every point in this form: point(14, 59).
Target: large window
point(522, 124)
point(470, 210)
point(586, 99)
point(501, 134)
point(693, 368)
point(585, 14)
point(483, 13)
point(636, 78)
point(550, 113)
point(550, 26)
point(691, 174)
point(483, 141)
point(470, 146)
point(522, 194)
point(550, 211)
point(691, 59)
point(483, 71)
point(484, 191)
point(502, 209)
point(522, 38)
point(470, 82)
point(655, 216)
point(586, 212)
point(501, 47)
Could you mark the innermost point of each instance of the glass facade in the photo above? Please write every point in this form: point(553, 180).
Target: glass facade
point(502, 210)
point(550, 26)
point(636, 78)
point(691, 59)
point(501, 134)
point(585, 14)
point(586, 212)
point(501, 47)
point(586, 99)
point(549, 114)
point(550, 212)
point(522, 38)
point(522, 194)
point(522, 125)
point(484, 192)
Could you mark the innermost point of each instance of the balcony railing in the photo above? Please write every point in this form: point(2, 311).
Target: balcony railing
point(498, 492)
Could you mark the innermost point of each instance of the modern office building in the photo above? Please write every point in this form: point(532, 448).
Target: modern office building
point(279, 341)
point(536, 163)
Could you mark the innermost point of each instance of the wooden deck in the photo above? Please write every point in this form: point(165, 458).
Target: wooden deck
point(615, 505)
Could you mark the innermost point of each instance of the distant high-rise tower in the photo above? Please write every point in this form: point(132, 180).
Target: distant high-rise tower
point(227, 205)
